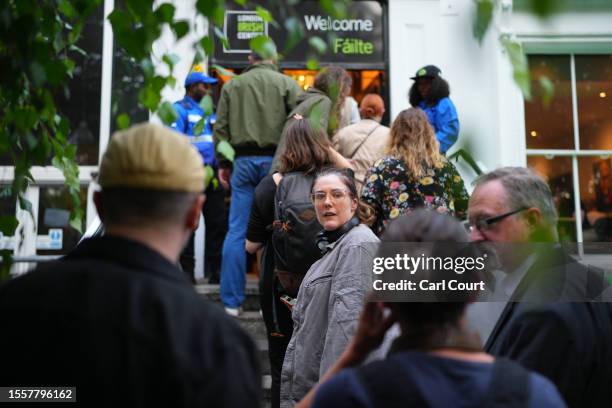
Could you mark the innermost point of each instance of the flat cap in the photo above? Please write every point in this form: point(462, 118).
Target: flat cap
point(153, 157)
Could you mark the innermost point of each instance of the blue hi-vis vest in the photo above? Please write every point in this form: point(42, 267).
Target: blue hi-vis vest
point(189, 114)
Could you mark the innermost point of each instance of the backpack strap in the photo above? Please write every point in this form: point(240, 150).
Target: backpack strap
point(510, 385)
point(387, 386)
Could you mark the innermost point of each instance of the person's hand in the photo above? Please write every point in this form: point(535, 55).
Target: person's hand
point(374, 322)
point(224, 177)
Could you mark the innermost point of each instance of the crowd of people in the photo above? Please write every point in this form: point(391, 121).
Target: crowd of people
point(316, 193)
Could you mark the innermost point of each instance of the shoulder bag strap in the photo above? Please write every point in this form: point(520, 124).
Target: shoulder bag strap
point(362, 142)
point(510, 386)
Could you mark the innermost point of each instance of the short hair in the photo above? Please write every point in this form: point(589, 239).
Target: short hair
point(372, 106)
point(305, 148)
point(524, 189)
point(139, 206)
point(439, 89)
point(430, 226)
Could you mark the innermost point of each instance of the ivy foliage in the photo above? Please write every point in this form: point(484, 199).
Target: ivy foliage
point(35, 66)
point(38, 39)
point(544, 9)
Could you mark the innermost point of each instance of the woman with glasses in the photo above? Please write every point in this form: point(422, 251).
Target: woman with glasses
point(333, 290)
point(413, 174)
point(290, 247)
point(437, 360)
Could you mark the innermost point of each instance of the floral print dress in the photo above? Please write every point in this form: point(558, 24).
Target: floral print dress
point(392, 191)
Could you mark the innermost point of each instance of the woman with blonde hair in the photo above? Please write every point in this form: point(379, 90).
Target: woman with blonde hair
point(412, 174)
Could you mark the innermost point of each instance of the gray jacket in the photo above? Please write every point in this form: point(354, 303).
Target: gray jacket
point(326, 313)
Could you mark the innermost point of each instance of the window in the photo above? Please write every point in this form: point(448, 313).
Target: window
point(55, 236)
point(81, 103)
point(569, 141)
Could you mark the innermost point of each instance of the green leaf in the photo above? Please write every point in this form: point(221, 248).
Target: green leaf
point(181, 28)
point(207, 45)
point(548, 90)
point(207, 105)
point(76, 220)
point(219, 34)
point(337, 8)
point(147, 67)
point(66, 8)
point(520, 68)
point(38, 73)
point(5, 265)
point(265, 15)
point(199, 126)
point(78, 50)
point(209, 174)
point(264, 46)
point(484, 16)
point(318, 45)
point(167, 113)
point(241, 2)
point(295, 33)
point(123, 121)
point(222, 70)
point(149, 98)
point(8, 224)
point(171, 60)
point(69, 64)
point(165, 13)
point(226, 150)
point(316, 114)
point(312, 64)
point(545, 8)
point(25, 204)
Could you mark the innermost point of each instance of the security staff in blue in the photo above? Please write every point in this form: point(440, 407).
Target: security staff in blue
point(431, 92)
point(197, 86)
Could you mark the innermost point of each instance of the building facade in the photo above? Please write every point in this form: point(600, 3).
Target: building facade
point(568, 138)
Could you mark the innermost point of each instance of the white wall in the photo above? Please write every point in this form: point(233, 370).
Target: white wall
point(439, 32)
point(489, 104)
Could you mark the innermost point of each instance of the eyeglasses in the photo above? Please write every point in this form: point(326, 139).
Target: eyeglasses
point(484, 225)
point(335, 195)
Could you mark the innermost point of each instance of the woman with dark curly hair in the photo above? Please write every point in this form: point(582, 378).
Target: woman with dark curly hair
point(430, 92)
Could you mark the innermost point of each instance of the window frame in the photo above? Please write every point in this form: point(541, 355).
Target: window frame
point(556, 47)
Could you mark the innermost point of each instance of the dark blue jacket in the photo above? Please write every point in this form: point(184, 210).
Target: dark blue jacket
point(443, 118)
point(189, 114)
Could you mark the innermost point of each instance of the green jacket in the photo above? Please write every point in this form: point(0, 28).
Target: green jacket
point(316, 106)
point(253, 108)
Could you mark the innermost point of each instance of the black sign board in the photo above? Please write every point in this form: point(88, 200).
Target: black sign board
point(356, 41)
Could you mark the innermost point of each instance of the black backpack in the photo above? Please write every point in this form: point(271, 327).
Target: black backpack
point(294, 230)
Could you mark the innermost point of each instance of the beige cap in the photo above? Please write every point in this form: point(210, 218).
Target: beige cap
point(151, 156)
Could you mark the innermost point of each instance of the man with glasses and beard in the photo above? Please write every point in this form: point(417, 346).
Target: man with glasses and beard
point(546, 319)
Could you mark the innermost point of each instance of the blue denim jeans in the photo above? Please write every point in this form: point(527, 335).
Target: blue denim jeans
point(248, 172)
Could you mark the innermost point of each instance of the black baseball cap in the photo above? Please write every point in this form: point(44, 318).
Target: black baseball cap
point(427, 71)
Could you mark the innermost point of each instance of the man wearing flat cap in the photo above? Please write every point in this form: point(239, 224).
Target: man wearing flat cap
point(190, 113)
point(116, 318)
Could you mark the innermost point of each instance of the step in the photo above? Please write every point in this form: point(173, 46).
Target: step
point(212, 293)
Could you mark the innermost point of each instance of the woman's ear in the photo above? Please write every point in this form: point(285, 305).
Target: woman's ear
point(354, 204)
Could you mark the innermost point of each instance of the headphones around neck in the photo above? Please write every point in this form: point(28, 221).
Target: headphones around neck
point(324, 238)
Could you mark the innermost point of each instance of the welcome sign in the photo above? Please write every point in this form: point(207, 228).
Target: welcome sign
point(358, 40)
